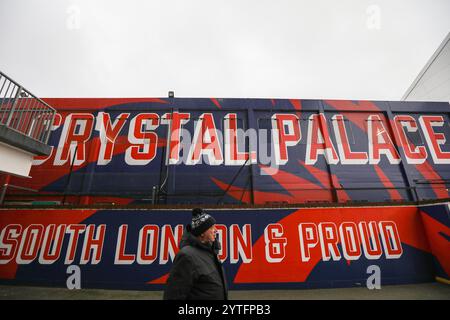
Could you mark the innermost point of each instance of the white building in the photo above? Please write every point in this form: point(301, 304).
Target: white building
point(433, 82)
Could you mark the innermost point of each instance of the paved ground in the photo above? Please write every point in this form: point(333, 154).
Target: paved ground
point(424, 291)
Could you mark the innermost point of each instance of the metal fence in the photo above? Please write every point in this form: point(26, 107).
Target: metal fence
point(22, 111)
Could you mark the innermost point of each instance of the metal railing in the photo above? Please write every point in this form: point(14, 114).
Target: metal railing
point(22, 111)
point(4, 188)
point(68, 197)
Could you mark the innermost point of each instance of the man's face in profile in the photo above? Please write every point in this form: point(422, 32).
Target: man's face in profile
point(210, 234)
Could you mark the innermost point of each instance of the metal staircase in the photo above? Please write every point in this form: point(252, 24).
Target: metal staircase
point(23, 112)
point(25, 126)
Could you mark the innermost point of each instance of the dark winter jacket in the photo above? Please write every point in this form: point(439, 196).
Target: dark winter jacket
point(197, 273)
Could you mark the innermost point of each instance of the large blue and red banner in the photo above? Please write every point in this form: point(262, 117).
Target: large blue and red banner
point(436, 221)
point(272, 152)
point(241, 151)
point(261, 248)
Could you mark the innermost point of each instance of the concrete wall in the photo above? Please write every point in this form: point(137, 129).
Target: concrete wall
point(15, 161)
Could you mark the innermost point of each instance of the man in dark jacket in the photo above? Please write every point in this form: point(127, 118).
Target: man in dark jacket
point(197, 273)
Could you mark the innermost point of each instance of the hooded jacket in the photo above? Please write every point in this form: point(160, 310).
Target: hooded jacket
point(197, 273)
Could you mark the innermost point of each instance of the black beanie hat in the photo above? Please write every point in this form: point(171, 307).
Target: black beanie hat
point(201, 221)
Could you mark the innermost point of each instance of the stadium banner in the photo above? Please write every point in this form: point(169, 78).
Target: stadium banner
point(261, 248)
point(239, 151)
point(436, 221)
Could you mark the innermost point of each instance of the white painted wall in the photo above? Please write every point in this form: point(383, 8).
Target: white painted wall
point(15, 161)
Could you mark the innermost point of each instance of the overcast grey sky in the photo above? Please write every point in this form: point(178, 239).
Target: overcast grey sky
point(230, 48)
